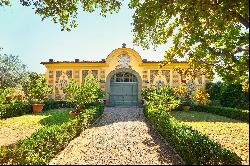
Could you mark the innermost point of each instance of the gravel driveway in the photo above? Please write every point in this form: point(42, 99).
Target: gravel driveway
point(120, 136)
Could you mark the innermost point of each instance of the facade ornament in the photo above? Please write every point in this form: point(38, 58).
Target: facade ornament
point(63, 81)
point(160, 80)
point(123, 45)
point(123, 60)
point(191, 85)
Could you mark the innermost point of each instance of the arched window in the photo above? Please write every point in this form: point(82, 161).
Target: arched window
point(123, 77)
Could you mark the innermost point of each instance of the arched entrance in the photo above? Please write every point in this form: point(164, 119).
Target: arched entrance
point(124, 88)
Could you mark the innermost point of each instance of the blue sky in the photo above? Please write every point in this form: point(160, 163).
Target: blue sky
point(23, 33)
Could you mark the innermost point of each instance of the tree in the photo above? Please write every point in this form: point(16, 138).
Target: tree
point(212, 34)
point(36, 88)
point(12, 71)
point(83, 94)
point(4, 2)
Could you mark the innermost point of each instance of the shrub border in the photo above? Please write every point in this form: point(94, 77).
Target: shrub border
point(237, 114)
point(194, 147)
point(45, 143)
point(21, 108)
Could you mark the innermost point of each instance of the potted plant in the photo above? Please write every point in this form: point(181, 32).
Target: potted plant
point(82, 94)
point(37, 90)
point(186, 102)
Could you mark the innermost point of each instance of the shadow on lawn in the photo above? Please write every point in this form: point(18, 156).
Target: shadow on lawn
point(55, 117)
point(193, 116)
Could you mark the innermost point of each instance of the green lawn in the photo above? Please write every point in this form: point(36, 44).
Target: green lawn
point(232, 134)
point(16, 128)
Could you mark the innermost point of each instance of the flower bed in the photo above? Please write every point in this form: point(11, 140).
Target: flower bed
point(44, 144)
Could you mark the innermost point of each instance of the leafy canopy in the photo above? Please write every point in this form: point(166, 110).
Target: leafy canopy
point(162, 97)
point(82, 94)
point(36, 88)
point(212, 34)
point(12, 71)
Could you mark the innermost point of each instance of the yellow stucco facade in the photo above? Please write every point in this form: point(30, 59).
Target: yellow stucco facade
point(108, 72)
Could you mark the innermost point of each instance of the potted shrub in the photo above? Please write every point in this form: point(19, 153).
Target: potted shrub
point(186, 102)
point(37, 89)
point(82, 94)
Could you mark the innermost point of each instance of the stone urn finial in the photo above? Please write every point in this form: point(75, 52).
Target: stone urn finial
point(123, 45)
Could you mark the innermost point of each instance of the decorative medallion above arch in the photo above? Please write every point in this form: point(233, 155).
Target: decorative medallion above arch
point(124, 51)
point(123, 60)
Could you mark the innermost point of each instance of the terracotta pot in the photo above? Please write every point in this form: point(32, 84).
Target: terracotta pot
point(71, 113)
point(186, 108)
point(37, 108)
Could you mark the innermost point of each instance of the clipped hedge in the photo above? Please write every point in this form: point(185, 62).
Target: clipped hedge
point(21, 108)
point(44, 144)
point(192, 146)
point(238, 114)
point(55, 104)
point(15, 109)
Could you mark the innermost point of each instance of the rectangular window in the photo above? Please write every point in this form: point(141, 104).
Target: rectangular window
point(58, 74)
point(153, 73)
point(95, 73)
point(166, 73)
point(84, 74)
point(51, 74)
point(69, 73)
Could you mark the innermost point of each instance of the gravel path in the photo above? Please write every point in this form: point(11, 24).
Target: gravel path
point(120, 136)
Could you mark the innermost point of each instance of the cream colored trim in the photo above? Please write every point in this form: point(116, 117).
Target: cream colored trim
point(75, 65)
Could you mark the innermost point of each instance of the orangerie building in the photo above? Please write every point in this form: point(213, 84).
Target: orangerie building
point(122, 75)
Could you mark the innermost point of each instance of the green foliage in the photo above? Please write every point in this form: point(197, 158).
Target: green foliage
point(214, 90)
point(55, 104)
point(65, 12)
point(3, 94)
point(14, 109)
point(233, 96)
point(5, 154)
point(36, 87)
point(83, 94)
point(193, 147)
point(4, 2)
point(201, 96)
point(162, 98)
point(238, 114)
point(12, 71)
point(211, 35)
point(55, 116)
point(229, 95)
point(44, 144)
point(187, 100)
point(184, 94)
